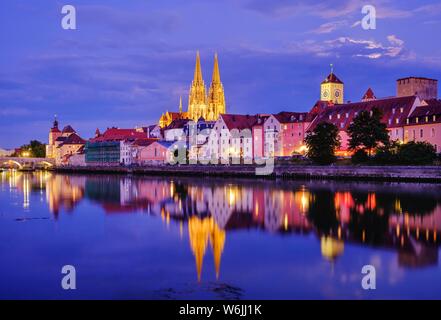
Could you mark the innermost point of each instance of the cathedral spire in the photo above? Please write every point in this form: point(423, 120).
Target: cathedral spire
point(216, 96)
point(180, 104)
point(197, 99)
point(197, 69)
point(216, 73)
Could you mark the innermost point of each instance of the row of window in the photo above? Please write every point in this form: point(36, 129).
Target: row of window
point(417, 119)
point(421, 133)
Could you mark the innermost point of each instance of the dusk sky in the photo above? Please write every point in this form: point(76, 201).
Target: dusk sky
point(129, 61)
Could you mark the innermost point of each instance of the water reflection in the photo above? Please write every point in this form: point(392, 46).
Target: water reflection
point(405, 218)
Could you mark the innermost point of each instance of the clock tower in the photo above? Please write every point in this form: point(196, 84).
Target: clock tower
point(332, 89)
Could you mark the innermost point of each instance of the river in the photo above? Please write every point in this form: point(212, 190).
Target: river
point(137, 237)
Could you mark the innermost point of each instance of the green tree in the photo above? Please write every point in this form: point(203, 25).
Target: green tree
point(322, 142)
point(38, 149)
point(34, 149)
point(387, 154)
point(367, 131)
point(416, 153)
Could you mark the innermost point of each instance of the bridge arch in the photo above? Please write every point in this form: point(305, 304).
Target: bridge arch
point(45, 163)
point(9, 162)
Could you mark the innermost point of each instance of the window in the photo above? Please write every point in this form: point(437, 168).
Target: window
point(393, 110)
point(433, 132)
point(397, 120)
point(416, 120)
point(330, 117)
point(421, 133)
point(347, 115)
point(338, 116)
point(427, 119)
point(434, 118)
point(401, 110)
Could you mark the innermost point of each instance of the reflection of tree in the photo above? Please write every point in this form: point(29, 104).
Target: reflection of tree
point(420, 204)
point(370, 217)
point(322, 212)
point(181, 190)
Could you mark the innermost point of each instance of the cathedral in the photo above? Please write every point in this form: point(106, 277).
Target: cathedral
point(200, 104)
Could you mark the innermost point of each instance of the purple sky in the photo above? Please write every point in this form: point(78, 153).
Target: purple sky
point(129, 61)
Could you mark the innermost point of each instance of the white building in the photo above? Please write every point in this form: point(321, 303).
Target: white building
point(175, 131)
point(231, 138)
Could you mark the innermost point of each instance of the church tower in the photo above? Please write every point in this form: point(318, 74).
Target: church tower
point(332, 89)
point(216, 96)
point(197, 100)
point(54, 133)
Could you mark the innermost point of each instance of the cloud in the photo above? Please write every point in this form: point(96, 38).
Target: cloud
point(329, 27)
point(368, 48)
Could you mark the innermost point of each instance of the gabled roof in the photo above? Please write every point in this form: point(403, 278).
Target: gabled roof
point(144, 142)
point(369, 95)
point(332, 78)
point(73, 139)
point(68, 129)
point(395, 112)
point(261, 118)
point(430, 109)
point(177, 124)
point(116, 134)
point(291, 117)
point(61, 139)
point(239, 121)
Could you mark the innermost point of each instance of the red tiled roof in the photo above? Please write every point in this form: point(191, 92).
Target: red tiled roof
point(318, 107)
point(115, 134)
point(144, 142)
point(369, 95)
point(68, 129)
point(239, 121)
point(395, 112)
point(291, 117)
point(433, 108)
point(177, 124)
point(332, 78)
point(55, 129)
point(74, 139)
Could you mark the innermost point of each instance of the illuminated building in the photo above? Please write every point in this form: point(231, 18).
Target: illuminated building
point(200, 104)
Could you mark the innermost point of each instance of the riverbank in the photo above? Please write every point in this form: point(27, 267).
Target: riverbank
point(362, 173)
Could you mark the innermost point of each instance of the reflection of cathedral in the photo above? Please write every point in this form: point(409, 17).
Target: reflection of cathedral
point(382, 218)
point(200, 104)
point(201, 232)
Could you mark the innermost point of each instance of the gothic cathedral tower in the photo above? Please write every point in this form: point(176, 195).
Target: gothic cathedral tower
point(197, 100)
point(332, 89)
point(199, 104)
point(216, 96)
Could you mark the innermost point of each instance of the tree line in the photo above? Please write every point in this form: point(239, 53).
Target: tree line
point(369, 143)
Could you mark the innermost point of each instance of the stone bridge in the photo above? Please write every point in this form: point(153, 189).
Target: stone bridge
point(26, 163)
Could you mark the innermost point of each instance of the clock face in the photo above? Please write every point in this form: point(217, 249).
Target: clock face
point(337, 93)
point(325, 93)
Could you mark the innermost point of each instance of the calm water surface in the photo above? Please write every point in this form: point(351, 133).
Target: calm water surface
point(190, 238)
